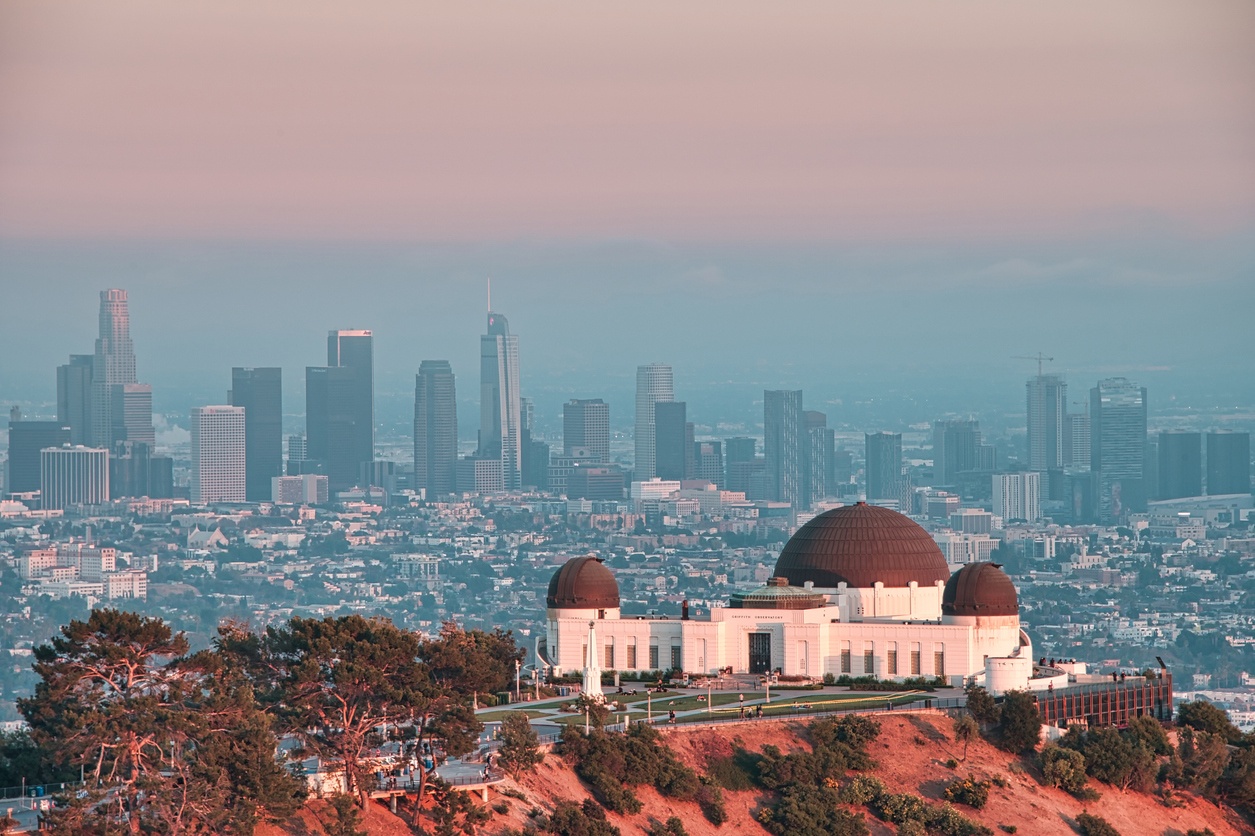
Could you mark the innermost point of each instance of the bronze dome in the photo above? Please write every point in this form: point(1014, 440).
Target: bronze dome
point(980, 589)
point(583, 583)
point(859, 545)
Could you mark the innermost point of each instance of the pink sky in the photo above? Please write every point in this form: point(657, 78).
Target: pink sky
point(706, 121)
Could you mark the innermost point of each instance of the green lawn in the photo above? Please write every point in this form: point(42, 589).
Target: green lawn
point(497, 715)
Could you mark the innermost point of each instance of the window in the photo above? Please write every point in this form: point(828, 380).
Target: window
point(845, 657)
point(653, 657)
point(584, 656)
point(608, 658)
point(675, 657)
point(869, 658)
point(631, 654)
point(915, 663)
point(891, 659)
point(803, 656)
point(939, 660)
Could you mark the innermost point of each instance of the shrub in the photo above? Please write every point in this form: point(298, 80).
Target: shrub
point(585, 819)
point(730, 773)
point(811, 811)
point(672, 827)
point(947, 821)
point(501, 808)
point(1008, 828)
point(710, 799)
point(864, 789)
point(982, 706)
point(897, 808)
point(1064, 768)
point(1206, 831)
point(1095, 826)
point(969, 791)
point(951, 763)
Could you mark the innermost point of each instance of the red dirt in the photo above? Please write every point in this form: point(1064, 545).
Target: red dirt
point(911, 752)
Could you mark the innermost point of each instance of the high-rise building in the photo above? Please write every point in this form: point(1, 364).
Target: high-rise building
point(73, 475)
point(819, 449)
point(500, 407)
point(708, 462)
point(121, 407)
point(956, 449)
point(309, 489)
point(783, 445)
point(74, 396)
point(435, 428)
point(339, 408)
point(1017, 496)
point(586, 424)
point(218, 458)
point(673, 441)
point(1076, 441)
point(1228, 462)
point(298, 453)
point(260, 392)
point(654, 383)
point(741, 462)
point(1117, 414)
point(1180, 464)
point(26, 440)
point(134, 471)
point(1047, 421)
point(884, 465)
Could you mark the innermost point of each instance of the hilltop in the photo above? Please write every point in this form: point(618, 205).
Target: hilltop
point(910, 756)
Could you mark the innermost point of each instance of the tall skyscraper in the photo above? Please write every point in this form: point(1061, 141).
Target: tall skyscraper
point(884, 465)
point(339, 409)
point(500, 419)
point(218, 457)
point(708, 462)
point(73, 475)
point(1180, 465)
point(134, 471)
point(956, 449)
point(1228, 462)
point(818, 477)
point(121, 407)
point(1117, 414)
point(673, 441)
point(26, 440)
point(74, 396)
point(1076, 454)
point(260, 392)
point(1047, 421)
point(586, 425)
point(654, 383)
point(783, 434)
point(298, 453)
point(435, 428)
point(741, 461)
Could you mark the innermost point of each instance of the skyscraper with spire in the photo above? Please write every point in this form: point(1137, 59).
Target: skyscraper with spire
point(499, 403)
point(121, 407)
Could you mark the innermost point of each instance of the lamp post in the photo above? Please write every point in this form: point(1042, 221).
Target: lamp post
point(709, 710)
point(649, 707)
point(518, 693)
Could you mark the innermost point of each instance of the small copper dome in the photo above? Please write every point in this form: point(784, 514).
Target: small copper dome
point(583, 583)
point(980, 589)
point(859, 545)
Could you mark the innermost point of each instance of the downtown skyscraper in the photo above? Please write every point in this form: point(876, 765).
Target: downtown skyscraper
point(121, 407)
point(260, 392)
point(1047, 411)
point(586, 426)
point(1117, 414)
point(435, 428)
point(500, 408)
point(654, 383)
point(339, 410)
point(884, 465)
point(786, 443)
point(218, 454)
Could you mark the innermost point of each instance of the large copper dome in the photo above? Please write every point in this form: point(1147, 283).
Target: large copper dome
point(980, 589)
point(583, 583)
point(860, 545)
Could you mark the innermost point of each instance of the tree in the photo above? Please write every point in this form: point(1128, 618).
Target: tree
point(1064, 768)
point(1201, 715)
point(965, 729)
point(1020, 726)
point(338, 680)
point(982, 707)
point(472, 661)
point(519, 750)
point(347, 818)
point(173, 744)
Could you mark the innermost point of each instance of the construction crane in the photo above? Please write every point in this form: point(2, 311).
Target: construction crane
point(1039, 357)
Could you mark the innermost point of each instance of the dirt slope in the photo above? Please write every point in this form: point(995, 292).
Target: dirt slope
point(911, 753)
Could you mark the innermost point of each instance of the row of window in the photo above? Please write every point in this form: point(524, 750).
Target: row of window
point(608, 657)
point(891, 659)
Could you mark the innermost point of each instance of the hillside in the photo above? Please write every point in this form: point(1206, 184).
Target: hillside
point(910, 755)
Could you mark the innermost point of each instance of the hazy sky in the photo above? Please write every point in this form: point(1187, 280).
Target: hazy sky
point(697, 120)
point(812, 194)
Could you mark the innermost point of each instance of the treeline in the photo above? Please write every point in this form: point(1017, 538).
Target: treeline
point(174, 742)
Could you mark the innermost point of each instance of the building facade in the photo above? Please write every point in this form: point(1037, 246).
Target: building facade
point(435, 428)
point(1117, 413)
point(586, 425)
point(218, 459)
point(1228, 462)
point(260, 392)
point(74, 475)
point(786, 445)
point(1047, 408)
point(884, 465)
point(1180, 465)
point(500, 406)
point(654, 383)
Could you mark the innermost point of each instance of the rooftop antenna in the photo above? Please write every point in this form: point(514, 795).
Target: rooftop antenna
point(1039, 357)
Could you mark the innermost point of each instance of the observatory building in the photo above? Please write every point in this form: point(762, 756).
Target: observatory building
point(859, 590)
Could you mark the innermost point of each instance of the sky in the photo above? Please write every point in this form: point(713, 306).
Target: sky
point(755, 192)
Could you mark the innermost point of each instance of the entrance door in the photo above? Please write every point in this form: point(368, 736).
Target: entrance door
point(760, 652)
